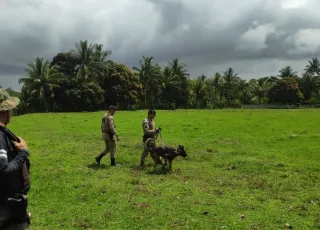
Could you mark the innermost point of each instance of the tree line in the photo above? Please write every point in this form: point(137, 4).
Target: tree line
point(86, 79)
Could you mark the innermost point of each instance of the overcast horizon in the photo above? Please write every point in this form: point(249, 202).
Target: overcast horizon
point(256, 38)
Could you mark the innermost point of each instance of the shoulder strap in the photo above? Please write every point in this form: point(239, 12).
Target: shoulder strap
point(9, 134)
point(8, 144)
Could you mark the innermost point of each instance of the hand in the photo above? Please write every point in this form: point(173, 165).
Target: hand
point(158, 130)
point(20, 146)
point(118, 139)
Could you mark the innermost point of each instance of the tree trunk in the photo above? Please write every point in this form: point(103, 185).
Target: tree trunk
point(228, 101)
point(145, 97)
point(45, 104)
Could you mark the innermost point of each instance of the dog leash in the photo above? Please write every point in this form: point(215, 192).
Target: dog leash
point(161, 139)
point(156, 137)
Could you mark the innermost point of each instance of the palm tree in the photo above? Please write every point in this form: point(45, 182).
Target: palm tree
point(101, 62)
point(169, 83)
point(309, 84)
point(272, 79)
point(91, 60)
point(242, 85)
point(210, 93)
point(230, 81)
point(246, 96)
point(149, 74)
point(314, 67)
point(199, 90)
point(41, 80)
point(213, 87)
point(215, 82)
point(260, 88)
point(287, 72)
point(179, 69)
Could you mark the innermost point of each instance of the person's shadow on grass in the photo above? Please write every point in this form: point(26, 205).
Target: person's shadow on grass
point(95, 166)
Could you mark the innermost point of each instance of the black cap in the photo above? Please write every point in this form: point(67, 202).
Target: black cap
point(151, 111)
point(112, 107)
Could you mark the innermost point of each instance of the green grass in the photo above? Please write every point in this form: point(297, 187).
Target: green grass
point(263, 164)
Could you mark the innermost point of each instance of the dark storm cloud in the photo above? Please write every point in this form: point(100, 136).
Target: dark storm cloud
point(254, 37)
point(10, 69)
point(219, 43)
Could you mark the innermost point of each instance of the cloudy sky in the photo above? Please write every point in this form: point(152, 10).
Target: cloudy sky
point(255, 37)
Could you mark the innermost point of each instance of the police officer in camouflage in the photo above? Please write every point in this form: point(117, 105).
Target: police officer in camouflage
point(14, 171)
point(149, 131)
point(109, 135)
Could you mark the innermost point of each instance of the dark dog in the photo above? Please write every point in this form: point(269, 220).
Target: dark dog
point(167, 154)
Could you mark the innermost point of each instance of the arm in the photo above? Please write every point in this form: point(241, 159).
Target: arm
point(16, 164)
point(111, 126)
point(147, 130)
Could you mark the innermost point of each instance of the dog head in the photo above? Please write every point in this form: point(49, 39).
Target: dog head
point(181, 151)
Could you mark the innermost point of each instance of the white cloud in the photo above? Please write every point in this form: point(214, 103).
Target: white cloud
point(292, 4)
point(305, 41)
point(254, 38)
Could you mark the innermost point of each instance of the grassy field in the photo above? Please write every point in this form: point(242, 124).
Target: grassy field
point(263, 164)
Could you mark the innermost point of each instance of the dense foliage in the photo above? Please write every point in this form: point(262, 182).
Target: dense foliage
point(85, 79)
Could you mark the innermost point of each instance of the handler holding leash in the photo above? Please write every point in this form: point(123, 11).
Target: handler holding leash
point(149, 131)
point(109, 135)
point(14, 171)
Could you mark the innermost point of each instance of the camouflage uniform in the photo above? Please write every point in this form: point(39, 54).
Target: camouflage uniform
point(149, 131)
point(109, 135)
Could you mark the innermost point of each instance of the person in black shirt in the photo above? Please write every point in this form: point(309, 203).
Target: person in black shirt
point(14, 171)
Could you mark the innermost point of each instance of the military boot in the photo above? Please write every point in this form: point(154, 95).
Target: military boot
point(113, 162)
point(98, 158)
point(142, 165)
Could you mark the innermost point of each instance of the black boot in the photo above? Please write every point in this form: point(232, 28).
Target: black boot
point(113, 162)
point(142, 165)
point(98, 158)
